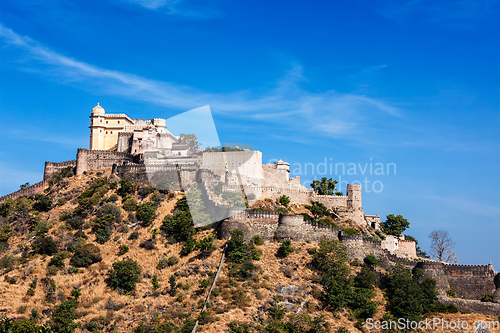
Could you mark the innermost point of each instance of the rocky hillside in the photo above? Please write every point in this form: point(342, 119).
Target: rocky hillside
point(99, 254)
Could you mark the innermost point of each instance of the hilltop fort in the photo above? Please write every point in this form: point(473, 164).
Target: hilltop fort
point(145, 151)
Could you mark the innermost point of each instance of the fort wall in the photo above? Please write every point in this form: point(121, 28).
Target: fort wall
point(99, 159)
point(53, 167)
point(36, 188)
point(472, 306)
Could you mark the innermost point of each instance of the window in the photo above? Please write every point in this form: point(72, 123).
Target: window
point(101, 131)
point(106, 121)
point(111, 132)
point(106, 132)
point(118, 121)
point(101, 120)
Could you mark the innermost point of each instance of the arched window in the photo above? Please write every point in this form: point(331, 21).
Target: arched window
point(106, 121)
point(106, 132)
point(118, 121)
point(111, 132)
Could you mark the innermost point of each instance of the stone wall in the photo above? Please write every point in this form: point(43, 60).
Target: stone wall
point(473, 306)
point(53, 167)
point(407, 249)
point(331, 201)
point(99, 159)
point(253, 223)
point(294, 227)
point(36, 188)
point(468, 281)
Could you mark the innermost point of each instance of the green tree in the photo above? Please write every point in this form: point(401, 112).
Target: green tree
point(146, 212)
point(43, 203)
point(394, 225)
point(409, 295)
point(284, 200)
point(125, 274)
point(285, 249)
point(64, 315)
point(325, 186)
point(125, 187)
point(318, 209)
point(86, 255)
point(191, 140)
point(237, 250)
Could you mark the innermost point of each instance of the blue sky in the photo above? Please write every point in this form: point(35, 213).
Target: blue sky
point(414, 83)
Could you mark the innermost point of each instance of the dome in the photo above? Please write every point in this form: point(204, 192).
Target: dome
point(98, 110)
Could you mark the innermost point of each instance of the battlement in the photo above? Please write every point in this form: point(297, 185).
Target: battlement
point(468, 270)
point(36, 188)
point(53, 167)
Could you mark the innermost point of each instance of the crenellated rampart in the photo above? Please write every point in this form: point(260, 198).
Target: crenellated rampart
point(99, 159)
point(36, 188)
point(53, 167)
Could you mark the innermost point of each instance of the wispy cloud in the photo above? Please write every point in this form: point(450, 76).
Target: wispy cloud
point(461, 13)
point(174, 7)
point(329, 113)
point(468, 205)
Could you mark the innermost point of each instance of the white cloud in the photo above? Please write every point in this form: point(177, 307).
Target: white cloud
point(328, 113)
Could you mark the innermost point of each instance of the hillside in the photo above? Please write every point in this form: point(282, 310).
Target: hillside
point(85, 217)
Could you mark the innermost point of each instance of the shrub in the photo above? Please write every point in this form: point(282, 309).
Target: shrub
point(125, 274)
point(371, 260)
point(130, 204)
point(125, 187)
point(10, 280)
point(148, 245)
point(487, 298)
point(46, 245)
point(284, 200)
point(113, 198)
point(408, 296)
point(133, 235)
point(154, 282)
point(451, 293)
point(42, 203)
point(351, 232)
point(251, 196)
point(156, 198)
point(113, 185)
point(173, 285)
point(57, 260)
point(80, 234)
point(122, 249)
point(63, 316)
point(285, 249)
point(257, 240)
point(167, 262)
point(206, 244)
point(145, 213)
point(204, 283)
point(75, 222)
point(61, 174)
point(86, 255)
point(145, 191)
point(277, 312)
point(237, 250)
point(188, 247)
point(110, 209)
point(180, 226)
point(318, 209)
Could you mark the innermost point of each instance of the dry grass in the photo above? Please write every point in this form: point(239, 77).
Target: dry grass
point(243, 301)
